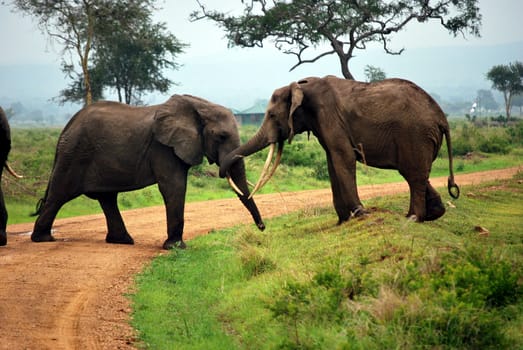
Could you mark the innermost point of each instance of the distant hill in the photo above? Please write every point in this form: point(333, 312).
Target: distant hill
point(239, 78)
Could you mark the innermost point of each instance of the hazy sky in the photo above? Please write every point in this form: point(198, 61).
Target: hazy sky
point(224, 75)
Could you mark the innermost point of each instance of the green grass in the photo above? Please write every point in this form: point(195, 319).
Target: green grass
point(381, 282)
point(33, 153)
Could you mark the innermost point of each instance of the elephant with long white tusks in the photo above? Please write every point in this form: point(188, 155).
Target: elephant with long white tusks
point(109, 147)
point(391, 124)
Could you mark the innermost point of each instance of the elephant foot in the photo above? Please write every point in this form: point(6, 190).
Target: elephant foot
point(42, 237)
point(3, 238)
point(124, 238)
point(435, 210)
point(170, 244)
point(359, 211)
point(413, 217)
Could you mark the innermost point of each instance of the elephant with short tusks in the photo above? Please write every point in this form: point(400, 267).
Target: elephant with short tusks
point(109, 147)
point(391, 124)
point(5, 148)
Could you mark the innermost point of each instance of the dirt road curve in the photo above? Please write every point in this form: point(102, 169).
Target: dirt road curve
point(69, 294)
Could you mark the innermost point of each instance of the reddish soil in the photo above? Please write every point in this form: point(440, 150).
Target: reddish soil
point(70, 294)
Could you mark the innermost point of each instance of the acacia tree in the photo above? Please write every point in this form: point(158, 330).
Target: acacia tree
point(299, 26)
point(70, 23)
point(85, 28)
point(133, 56)
point(509, 80)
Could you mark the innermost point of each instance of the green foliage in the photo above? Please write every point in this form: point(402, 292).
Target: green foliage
point(468, 138)
point(132, 52)
point(373, 73)
point(495, 144)
point(381, 282)
point(516, 133)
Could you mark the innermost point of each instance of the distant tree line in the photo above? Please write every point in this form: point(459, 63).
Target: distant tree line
point(111, 45)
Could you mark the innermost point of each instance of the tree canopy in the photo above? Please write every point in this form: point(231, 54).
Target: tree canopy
point(298, 27)
point(373, 73)
point(99, 36)
point(508, 79)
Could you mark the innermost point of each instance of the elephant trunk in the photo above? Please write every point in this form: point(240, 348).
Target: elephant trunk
point(255, 144)
point(237, 175)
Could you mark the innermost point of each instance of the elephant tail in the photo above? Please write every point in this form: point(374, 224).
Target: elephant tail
point(39, 206)
point(40, 203)
point(451, 185)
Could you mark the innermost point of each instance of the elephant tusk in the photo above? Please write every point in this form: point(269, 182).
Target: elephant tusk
point(276, 163)
point(12, 172)
point(266, 178)
point(234, 186)
point(261, 180)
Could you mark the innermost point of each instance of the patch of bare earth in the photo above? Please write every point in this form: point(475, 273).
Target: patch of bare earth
point(70, 294)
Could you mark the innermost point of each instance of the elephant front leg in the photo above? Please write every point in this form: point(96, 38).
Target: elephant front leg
point(174, 198)
point(175, 223)
point(342, 173)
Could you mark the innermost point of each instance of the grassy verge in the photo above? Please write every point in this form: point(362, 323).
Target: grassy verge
point(381, 282)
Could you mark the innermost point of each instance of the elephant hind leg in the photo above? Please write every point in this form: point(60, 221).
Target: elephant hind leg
point(417, 207)
point(116, 230)
point(44, 222)
point(434, 207)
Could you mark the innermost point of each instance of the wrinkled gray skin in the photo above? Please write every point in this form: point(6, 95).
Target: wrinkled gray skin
point(5, 147)
point(392, 124)
point(110, 147)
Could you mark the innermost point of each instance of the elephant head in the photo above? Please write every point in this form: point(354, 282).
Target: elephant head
point(278, 125)
point(195, 128)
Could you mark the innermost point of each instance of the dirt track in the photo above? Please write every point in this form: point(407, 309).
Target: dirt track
point(69, 294)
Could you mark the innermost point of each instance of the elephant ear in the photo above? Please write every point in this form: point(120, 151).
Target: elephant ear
point(296, 100)
point(179, 127)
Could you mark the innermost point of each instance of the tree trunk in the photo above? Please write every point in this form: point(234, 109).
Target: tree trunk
point(84, 56)
point(345, 69)
point(343, 57)
point(87, 83)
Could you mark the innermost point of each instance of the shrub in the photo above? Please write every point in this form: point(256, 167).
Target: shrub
point(495, 144)
point(515, 133)
point(461, 147)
